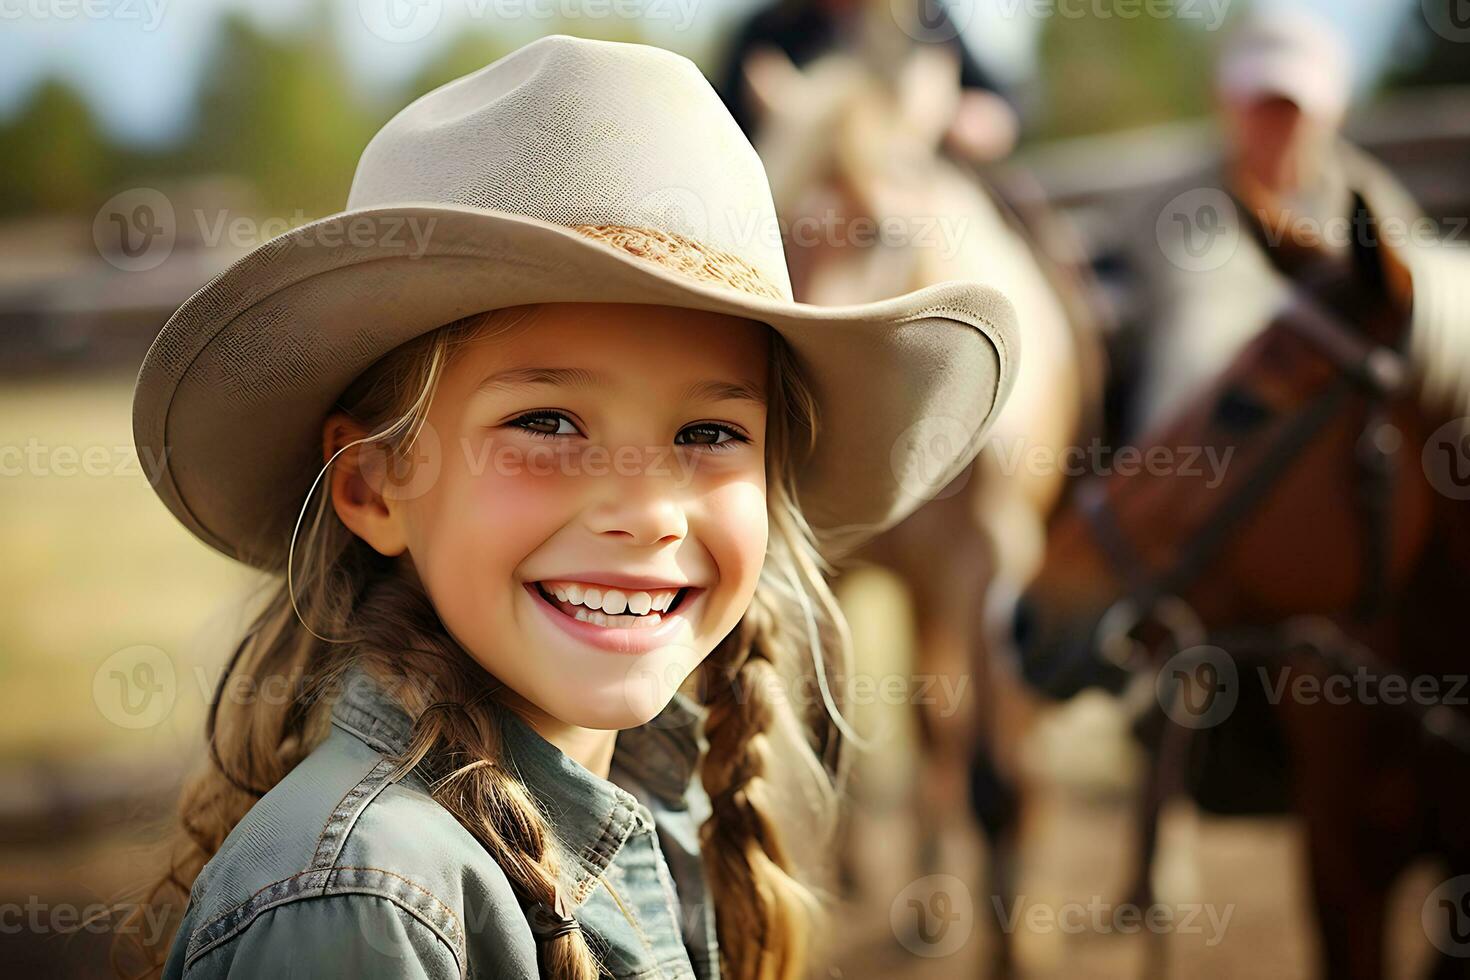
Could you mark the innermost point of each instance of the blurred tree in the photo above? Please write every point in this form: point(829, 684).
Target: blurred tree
point(55, 155)
point(1104, 71)
point(281, 112)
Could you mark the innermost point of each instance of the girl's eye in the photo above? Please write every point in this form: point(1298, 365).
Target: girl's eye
point(553, 420)
point(548, 425)
point(715, 430)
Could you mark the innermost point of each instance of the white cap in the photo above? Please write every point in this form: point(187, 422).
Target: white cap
point(1292, 53)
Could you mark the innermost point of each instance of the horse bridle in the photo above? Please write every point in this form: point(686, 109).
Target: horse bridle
point(1154, 597)
point(1361, 364)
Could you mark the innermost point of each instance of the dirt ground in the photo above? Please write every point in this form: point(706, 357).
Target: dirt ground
point(1234, 888)
point(1232, 891)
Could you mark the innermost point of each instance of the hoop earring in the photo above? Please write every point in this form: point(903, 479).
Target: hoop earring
point(291, 549)
point(417, 413)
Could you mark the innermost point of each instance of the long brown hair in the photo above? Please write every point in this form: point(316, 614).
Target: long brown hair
point(379, 617)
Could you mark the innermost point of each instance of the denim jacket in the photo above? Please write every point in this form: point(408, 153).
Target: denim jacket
point(336, 871)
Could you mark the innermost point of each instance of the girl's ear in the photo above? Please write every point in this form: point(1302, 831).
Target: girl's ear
point(355, 482)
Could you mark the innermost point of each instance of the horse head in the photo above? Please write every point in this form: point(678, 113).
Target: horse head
point(1290, 486)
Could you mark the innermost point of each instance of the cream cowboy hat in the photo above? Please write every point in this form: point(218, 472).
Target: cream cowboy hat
point(466, 201)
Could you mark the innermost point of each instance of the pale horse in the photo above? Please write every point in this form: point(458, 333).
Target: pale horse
point(844, 145)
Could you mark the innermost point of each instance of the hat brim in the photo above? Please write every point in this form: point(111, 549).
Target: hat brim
point(231, 395)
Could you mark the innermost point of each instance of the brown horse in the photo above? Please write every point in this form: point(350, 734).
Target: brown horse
point(1333, 547)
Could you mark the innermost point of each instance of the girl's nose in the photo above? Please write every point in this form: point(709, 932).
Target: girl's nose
point(649, 515)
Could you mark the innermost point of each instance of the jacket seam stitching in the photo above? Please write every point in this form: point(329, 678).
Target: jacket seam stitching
point(374, 742)
point(344, 815)
point(301, 895)
point(610, 839)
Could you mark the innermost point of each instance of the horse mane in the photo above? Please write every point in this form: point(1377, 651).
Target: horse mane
point(1439, 332)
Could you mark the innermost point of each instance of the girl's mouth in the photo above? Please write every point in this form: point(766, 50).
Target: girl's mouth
point(621, 633)
point(626, 620)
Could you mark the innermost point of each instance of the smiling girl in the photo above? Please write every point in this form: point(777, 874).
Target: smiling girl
point(550, 506)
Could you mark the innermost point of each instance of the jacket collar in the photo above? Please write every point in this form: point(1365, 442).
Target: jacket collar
point(592, 815)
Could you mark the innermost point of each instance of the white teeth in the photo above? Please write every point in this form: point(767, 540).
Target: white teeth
point(612, 601)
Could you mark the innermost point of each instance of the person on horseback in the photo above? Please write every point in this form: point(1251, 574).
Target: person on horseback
point(985, 125)
point(1206, 287)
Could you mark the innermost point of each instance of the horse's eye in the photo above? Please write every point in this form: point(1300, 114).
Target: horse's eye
point(1239, 410)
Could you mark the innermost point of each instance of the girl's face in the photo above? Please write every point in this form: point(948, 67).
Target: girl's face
point(605, 455)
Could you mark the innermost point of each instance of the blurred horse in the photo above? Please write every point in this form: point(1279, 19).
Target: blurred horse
point(846, 144)
point(1332, 550)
